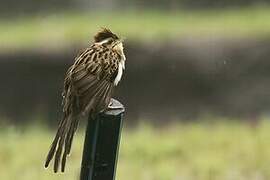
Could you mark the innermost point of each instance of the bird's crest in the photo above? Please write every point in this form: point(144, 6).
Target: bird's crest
point(103, 34)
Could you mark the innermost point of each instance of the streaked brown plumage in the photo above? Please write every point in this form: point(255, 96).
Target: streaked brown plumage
point(88, 88)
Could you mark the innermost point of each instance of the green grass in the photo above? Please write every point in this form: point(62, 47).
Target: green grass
point(195, 151)
point(63, 29)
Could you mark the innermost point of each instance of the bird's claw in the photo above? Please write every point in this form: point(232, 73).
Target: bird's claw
point(112, 106)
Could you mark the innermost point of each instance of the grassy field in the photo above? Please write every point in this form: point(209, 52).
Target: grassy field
point(57, 30)
point(196, 151)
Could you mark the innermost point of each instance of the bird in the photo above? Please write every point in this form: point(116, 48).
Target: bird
point(88, 87)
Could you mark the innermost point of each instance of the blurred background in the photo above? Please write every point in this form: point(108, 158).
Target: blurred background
point(196, 87)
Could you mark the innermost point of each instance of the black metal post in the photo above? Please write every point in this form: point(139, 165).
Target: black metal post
point(101, 144)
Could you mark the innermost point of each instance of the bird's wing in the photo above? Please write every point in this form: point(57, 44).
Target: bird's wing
point(91, 80)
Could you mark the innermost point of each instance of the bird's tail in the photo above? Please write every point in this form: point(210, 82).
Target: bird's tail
point(62, 142)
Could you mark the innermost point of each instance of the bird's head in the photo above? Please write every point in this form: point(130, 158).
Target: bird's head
point(106, 37)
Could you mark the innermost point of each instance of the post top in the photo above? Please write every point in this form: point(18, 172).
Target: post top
point(115, 108)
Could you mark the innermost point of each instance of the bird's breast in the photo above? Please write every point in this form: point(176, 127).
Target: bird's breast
point(118, 77)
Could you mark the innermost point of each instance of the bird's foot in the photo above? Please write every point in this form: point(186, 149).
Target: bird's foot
point(114, 105)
